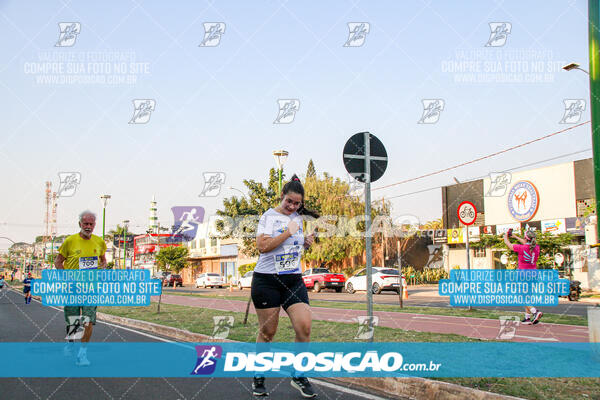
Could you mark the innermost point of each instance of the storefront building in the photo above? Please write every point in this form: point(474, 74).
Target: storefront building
point(550, 199)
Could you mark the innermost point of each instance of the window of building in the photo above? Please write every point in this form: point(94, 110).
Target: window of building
point(480, 253)
point(193, 244)
point(213, 242)
point(202, 243)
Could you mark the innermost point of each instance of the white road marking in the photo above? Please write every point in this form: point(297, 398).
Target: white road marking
point(537, 338)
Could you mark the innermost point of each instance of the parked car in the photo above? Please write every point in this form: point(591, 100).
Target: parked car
point(173, 280)
point(321, 278)
point(382, 279)
point(246, 280)
point(211, 279)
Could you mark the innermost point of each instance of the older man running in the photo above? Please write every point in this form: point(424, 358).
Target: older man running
point(82, 250)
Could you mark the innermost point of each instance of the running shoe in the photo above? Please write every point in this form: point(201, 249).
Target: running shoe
point(526, 321)
point(82, 360)
point(304, 386)
point(258, 386)
point(537, 317)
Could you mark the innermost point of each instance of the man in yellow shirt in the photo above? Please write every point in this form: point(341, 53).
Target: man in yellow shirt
point(82, 251)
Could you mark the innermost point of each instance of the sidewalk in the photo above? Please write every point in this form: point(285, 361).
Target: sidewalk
point(480, 328)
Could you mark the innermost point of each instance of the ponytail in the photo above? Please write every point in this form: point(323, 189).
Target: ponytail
point(531, 238)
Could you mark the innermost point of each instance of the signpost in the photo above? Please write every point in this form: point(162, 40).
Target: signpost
point(365, 159)
point(467, 213)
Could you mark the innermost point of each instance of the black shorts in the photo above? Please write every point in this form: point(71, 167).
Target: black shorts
point(273, 290)
point(26, 289)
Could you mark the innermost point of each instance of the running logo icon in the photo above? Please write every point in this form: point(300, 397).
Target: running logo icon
point(573, 111)
point(358, 33)
point(212, 184)
point(212, 34)
point(68, 33)
point(142, 109)
point(287, 111)
point(76, 327)
point(207, 359)
point(432, 108)
point(355, 187)
point(366, 329)
point(499, 182)
point(499, 33)
point(223, 323)
point(508, 327)
point(186, 220)
point(68, 183)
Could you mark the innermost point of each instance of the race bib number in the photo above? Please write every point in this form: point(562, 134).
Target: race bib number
point(289, 261)
point(88, 262)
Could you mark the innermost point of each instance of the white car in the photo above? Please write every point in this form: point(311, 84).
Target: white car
point(382, 279)
point(246, 280)
point(211, 279)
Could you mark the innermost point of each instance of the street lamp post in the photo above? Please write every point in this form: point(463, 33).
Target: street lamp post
point(104, 198)
point(280, 158)
point(594, 38)
point(125, 223)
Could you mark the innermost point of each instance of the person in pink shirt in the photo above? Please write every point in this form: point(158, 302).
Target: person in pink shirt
point(528, 253)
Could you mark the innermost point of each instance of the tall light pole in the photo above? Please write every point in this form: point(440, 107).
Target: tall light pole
point(594, 77)
point(125, 223)
point(280, 158)
point(104, 198)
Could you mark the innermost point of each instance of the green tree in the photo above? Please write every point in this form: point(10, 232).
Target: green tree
point(173, 258)
point(119, 231)
point(260, 199)
point(310, 171)
point(330, 198)
point(433, 224)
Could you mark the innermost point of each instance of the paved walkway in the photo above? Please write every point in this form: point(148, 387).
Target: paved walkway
point(480, 328)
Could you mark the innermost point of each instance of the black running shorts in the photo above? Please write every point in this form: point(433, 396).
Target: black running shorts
point(273, 290)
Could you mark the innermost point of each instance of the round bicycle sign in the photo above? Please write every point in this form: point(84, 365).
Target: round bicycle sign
point(467, 213)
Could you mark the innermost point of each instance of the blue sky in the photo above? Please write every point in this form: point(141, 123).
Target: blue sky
point(215, 106)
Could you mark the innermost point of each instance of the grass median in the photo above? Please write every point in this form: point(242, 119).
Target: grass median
point(451, 312)
point(200, 320)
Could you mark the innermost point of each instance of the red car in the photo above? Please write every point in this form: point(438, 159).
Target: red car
point(320, 278)
point(173, 280)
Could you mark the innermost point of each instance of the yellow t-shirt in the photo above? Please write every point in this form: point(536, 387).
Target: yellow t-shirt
point(80, 253)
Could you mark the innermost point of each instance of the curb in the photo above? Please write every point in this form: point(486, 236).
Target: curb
point(181, 335)
point(414, 388)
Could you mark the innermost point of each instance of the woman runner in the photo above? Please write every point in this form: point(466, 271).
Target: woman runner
point(528, 252)
point(277, 280)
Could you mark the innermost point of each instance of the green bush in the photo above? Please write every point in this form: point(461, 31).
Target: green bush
point(427, 275)
point(413, 276)
point(242, 269)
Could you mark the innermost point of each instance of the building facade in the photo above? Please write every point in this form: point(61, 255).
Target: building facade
point(553, 199)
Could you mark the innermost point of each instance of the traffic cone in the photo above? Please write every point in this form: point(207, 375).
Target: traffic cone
point(404, 289)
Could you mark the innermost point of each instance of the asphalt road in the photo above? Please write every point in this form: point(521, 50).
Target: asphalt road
point(36, 323)
point(419, 296)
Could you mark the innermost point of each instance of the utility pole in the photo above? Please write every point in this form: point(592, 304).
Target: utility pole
point(594, 43)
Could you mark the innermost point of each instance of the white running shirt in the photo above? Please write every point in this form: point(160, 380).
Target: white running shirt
point(285, 259)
